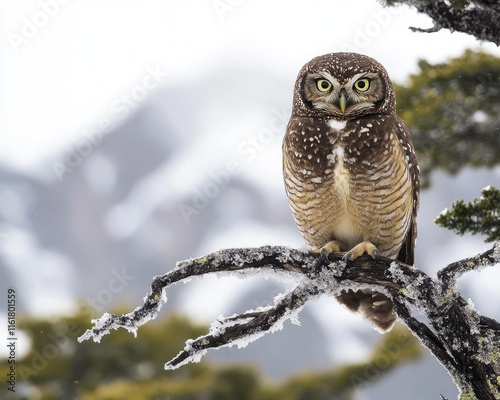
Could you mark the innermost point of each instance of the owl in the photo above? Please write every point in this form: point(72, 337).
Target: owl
point(350, 171)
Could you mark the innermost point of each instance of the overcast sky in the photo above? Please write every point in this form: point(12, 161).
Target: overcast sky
point(67, 64)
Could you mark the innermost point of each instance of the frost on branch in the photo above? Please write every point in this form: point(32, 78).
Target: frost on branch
point(240, 330)
point(466, 343)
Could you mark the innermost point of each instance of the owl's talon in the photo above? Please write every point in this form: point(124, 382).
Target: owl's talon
point(331, 247)
point(360, 249)
point(324, 255)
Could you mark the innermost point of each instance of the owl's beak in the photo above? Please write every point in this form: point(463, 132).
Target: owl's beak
point(342, 100)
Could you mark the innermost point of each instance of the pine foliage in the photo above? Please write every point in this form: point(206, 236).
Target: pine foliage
point(479, 216)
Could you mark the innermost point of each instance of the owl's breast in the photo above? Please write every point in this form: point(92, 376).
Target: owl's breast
point(341, 183)
point(308, 150)
point(317, 178)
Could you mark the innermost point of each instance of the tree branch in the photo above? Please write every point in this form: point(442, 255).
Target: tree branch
point(478, 18)
point(466, 343)
point(449, 275)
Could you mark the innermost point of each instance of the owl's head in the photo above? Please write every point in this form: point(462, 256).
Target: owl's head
point(343, 86)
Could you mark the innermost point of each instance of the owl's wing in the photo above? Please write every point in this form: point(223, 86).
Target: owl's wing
point(407, 252)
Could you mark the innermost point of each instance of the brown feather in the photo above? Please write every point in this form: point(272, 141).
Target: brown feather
point(351, 175)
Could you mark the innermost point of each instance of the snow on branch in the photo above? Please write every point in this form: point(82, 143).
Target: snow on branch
point(466, 343)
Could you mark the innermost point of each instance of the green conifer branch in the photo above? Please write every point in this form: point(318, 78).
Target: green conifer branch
point(479, 216)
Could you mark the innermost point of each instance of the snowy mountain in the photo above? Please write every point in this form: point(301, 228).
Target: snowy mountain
point(193, 169)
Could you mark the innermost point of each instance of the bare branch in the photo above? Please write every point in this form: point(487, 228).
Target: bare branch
point(478, 18)
point(244, 328)
point(449, 275)
point(466, 343)
point(435, 28)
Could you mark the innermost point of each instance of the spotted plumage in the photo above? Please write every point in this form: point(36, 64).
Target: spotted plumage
point(350, 171)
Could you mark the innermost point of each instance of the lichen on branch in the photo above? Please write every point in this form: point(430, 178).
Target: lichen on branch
point(466, 343)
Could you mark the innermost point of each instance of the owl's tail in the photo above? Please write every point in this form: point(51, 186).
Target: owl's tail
point(376, 307)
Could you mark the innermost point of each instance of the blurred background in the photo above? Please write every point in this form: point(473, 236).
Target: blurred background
point(138, 133)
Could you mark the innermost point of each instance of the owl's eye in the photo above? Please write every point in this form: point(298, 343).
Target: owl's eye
point(362, 85)
point(323, 85)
